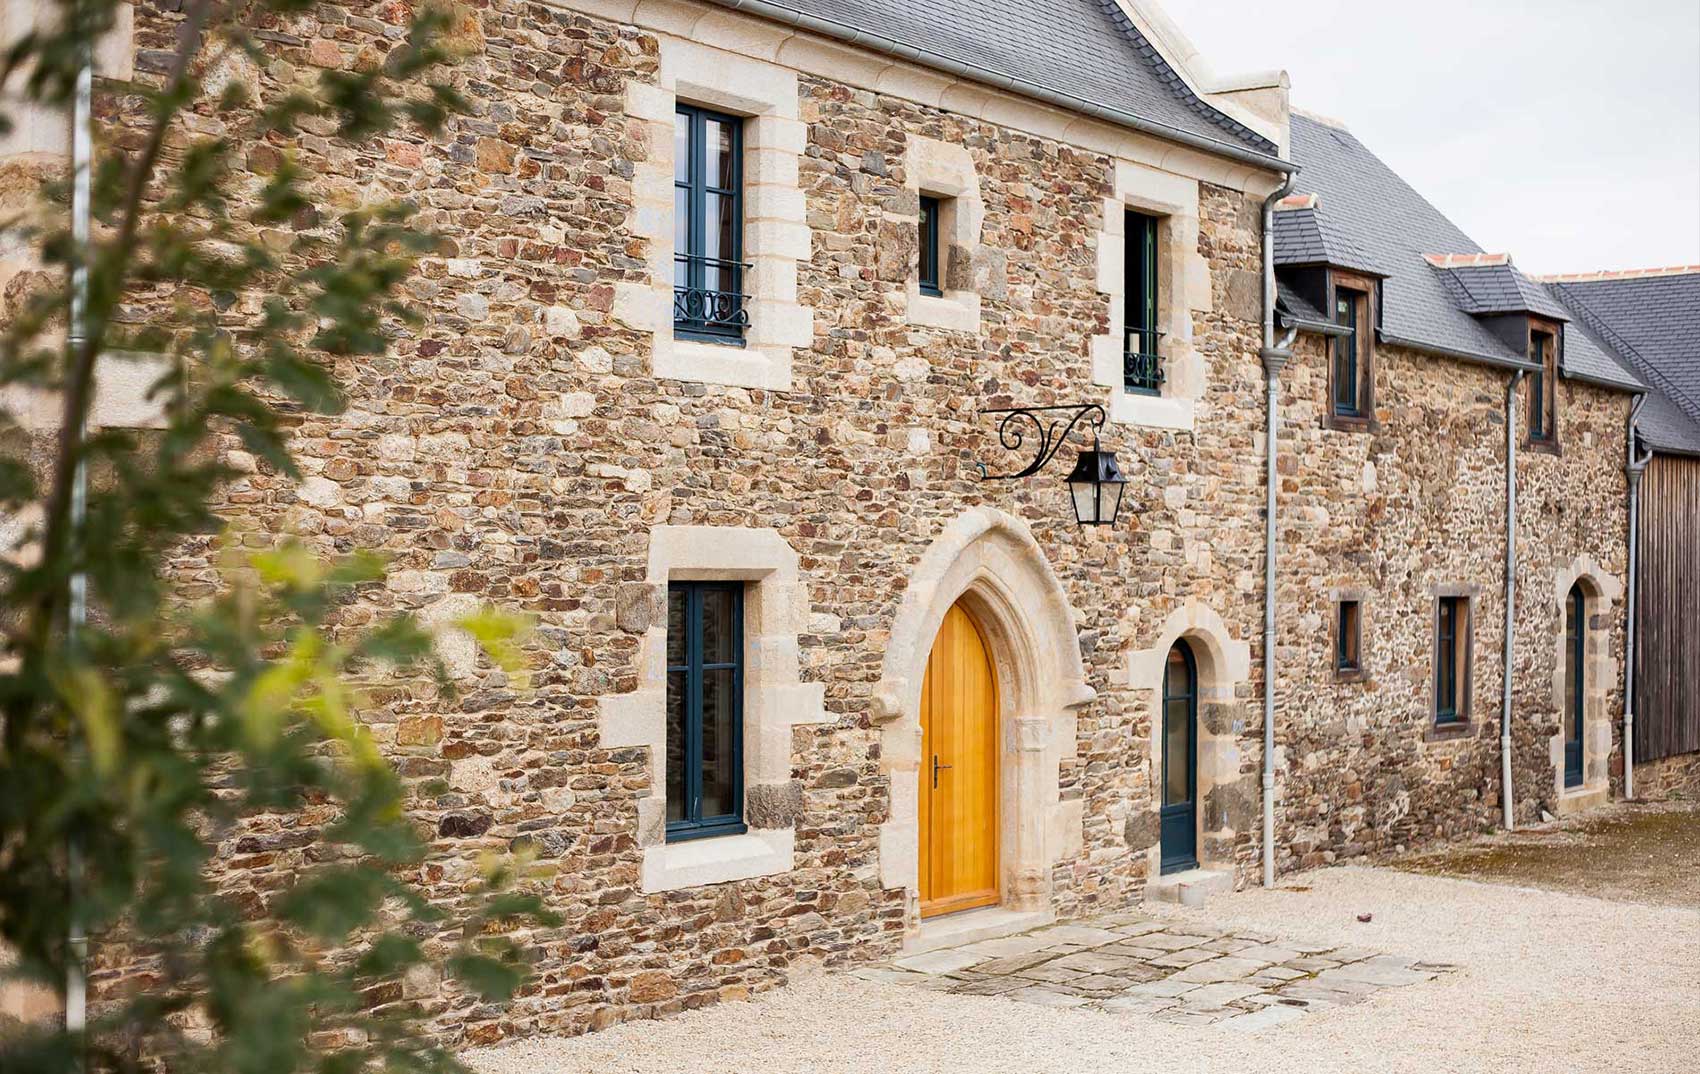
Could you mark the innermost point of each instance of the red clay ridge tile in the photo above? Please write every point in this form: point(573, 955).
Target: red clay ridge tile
point(1452, 261)
point(1297, 201)
point(1621, 274)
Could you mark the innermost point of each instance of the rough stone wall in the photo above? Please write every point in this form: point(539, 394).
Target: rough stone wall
point(1415, 502)
point(1668, 778)
point(515, 449)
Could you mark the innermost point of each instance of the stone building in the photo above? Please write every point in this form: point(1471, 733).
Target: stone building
point(1650, 319)
point(703, 385)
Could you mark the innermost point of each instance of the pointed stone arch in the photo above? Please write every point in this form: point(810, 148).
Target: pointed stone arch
point(1601, 674)
point(989, 562)
point(1227, 789)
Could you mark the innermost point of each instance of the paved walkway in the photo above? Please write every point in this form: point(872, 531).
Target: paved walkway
point(1131, 963)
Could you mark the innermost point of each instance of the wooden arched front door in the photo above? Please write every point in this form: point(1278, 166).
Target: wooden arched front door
point(959, 771)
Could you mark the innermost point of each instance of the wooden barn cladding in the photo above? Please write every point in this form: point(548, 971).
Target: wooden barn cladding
point(1667, 662)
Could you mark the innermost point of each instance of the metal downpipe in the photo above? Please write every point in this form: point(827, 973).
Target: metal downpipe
point(1274, 358)
point(1634, 464)
point(82, 158)
point(1506, 797)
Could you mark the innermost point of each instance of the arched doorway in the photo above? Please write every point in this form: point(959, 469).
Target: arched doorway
point(1179, 813)
point(1575, 682)
point(959, 770)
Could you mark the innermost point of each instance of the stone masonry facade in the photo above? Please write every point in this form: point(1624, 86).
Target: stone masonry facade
point(519, 448)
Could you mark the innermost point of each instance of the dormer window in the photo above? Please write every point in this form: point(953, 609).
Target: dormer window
point(1543, 387)
point(1351, 376)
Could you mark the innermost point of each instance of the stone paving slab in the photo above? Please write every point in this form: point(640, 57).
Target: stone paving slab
point(1134, 965)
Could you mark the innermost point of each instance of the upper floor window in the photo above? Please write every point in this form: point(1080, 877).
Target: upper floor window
point(1349, 372)
point(1141, 367)
point(930, 257)
point(705, 709)
point(708, 228)
point(1452, 660)
point(1543, 386)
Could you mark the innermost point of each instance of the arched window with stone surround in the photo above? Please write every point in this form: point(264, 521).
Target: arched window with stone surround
point(1575, 681)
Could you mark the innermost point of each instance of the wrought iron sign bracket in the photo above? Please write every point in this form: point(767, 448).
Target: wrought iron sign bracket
point(1020, 422)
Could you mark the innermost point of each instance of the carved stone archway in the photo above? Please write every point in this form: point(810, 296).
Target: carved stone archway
point(989, 561)
point(1601, 673)
point(1227, 790)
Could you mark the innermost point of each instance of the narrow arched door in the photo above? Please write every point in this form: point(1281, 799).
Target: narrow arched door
point(959, 771)
point(1575, 684)
point(1179, 813)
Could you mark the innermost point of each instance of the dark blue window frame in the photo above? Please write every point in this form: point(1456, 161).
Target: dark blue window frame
point(1347, 387)
point(929, 281)
point(1576, 644)
point(1142, 367)
point(709, 304)
point(1451, 659)
point(691, 822)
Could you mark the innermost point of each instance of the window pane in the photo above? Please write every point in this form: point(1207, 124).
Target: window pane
point(929, 250)
point(676, 638)
point(676, 730)
point(1177, 743)
point(720, 159)
point(1179, 683)
point(719, 629)
point(718, 715)
point(681, 147)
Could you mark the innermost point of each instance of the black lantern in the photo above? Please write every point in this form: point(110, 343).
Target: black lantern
point(1096, 487)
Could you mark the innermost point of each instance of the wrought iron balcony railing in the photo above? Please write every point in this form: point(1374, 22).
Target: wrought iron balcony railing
point(1142, 367)
point(713, 303)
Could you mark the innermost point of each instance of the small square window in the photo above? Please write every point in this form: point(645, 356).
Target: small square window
point(1348, 637)
point(1452, 660)
point(931, 261)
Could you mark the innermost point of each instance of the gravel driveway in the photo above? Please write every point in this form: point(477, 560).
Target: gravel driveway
point(1546, 982)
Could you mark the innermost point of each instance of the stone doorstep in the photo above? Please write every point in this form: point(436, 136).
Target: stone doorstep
point(1190, 888)
point(974, 926)
point(1581, 799)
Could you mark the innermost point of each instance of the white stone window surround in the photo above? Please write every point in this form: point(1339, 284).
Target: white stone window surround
point(776, 609)
point(775, 229)
point(1183, 289)
point(1601, 674)
point(946, 171)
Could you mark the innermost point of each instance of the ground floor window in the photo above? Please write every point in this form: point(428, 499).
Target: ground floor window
point(1575, 682)
point(1452, 660)
point(705, 688)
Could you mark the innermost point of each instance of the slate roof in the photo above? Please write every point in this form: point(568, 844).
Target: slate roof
point(1085, 49)
point(1486, 289)
point(1363, 205)
point(1301, 240)
point(1653, 323)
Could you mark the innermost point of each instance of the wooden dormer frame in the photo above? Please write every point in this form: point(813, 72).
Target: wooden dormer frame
point(1361, 416)
point(1552, 335)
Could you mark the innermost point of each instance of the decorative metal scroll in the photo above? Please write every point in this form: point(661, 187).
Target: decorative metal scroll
point(1019, 423)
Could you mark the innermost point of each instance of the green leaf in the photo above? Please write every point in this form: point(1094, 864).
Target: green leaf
point(490, 979)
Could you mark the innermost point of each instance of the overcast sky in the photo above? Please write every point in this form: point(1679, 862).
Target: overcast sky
point(1563, 132)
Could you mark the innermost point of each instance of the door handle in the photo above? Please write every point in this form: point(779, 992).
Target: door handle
point(936, 767)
